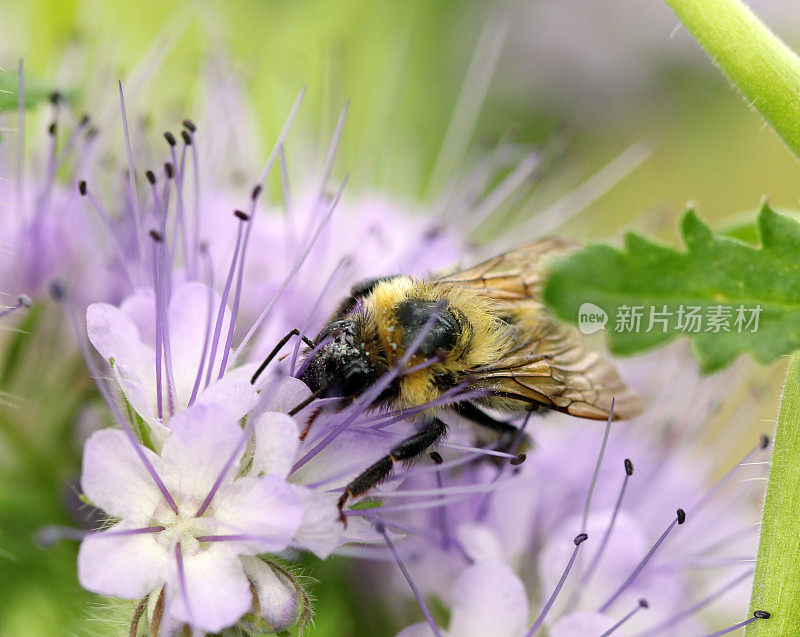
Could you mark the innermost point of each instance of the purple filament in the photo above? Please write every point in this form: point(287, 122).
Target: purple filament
point(639, 567)
point(209, 276)
point(580, 539)
point(417, 595)
point(112, 405)
point(642, 604)
point(223, 304)
point(587, 575)
point(670, 622)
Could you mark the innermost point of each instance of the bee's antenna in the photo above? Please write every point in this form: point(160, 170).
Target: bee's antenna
point(276, 349)
point(302, 405)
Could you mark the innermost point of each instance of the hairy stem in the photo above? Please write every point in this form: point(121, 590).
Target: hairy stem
point(775, 586)
point(759, 64)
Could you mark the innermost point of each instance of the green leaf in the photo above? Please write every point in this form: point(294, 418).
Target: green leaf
point(728, 296)
point(365, 504)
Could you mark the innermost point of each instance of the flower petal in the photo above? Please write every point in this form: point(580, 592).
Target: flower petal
point(489, 599)
point(114, 477)
point(320, 531)
point(188, 317)
point(276, 444)
point(214, 585)
point(480, 542)
point(129, 566)
point(277, 597)
point(266, 508)
point(195, 453)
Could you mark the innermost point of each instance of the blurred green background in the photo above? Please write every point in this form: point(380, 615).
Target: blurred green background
point(601, 75)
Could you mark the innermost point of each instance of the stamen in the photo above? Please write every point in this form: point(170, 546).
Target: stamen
point(469, 102)
point(209, 276)
point(22, 301)
point(226, 467)
point(223, 302)
point(189, 124)
point(759, 614)
point(706, 498)
point(50, 535)
point(310, 356)
point(579, 539)
point(380, 528)
point(587, 575)
point(131, 175)
point(642, 604)
point(287, 198)
point(182, 581)
point(483, 507)
point(300, 260)
point(597, 465)
point(518, 459)
point(680, 518)
point(58, 292)
point(442, 510)
point(674, 620)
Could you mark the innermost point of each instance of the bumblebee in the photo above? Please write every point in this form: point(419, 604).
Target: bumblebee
point(483, 329)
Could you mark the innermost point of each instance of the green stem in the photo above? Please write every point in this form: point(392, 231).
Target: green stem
point(775, 588)
point(767, 73)
point(763, 68)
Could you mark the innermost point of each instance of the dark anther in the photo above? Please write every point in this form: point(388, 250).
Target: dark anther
point(764, 441)
point(187, 138)
point(155, 235)
point(92, 132)
point(203, 247)
point(761, 614)
point(255, 192)
point(82, 187)
point(57, 290)
point(169, 170)
point(580, 539)
point(644, 603)
point(681, 516)
point(170, 138)
point(241, 215)
point(151, 177)
point(437, 457)
point(84, 120)
point(190, 125)
point(628, 467)
point(55, 97)
point(23, 300)
point(379, 527)
point(518, 460)
point(52, 128)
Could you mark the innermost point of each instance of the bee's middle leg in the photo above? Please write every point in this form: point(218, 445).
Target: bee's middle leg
point(508, 432)
point(406, 450)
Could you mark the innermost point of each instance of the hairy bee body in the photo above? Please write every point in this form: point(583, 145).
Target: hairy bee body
point(480, 329)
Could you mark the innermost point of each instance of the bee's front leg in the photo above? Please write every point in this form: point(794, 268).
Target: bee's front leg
point(410, 448)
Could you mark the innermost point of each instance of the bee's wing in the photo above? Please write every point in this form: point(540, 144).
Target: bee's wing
point(549, 364)
point(512, 276)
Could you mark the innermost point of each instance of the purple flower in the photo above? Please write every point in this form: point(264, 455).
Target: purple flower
point(465, 512)
point(186, 526)
point(489, 599)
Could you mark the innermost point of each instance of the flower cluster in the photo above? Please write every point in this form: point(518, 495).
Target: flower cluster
point(219, 468)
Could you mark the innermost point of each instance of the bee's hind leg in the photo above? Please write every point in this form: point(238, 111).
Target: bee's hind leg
point(509, 434)
point(410, 448)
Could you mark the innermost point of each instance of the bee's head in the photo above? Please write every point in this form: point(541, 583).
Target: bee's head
point(341, 366)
